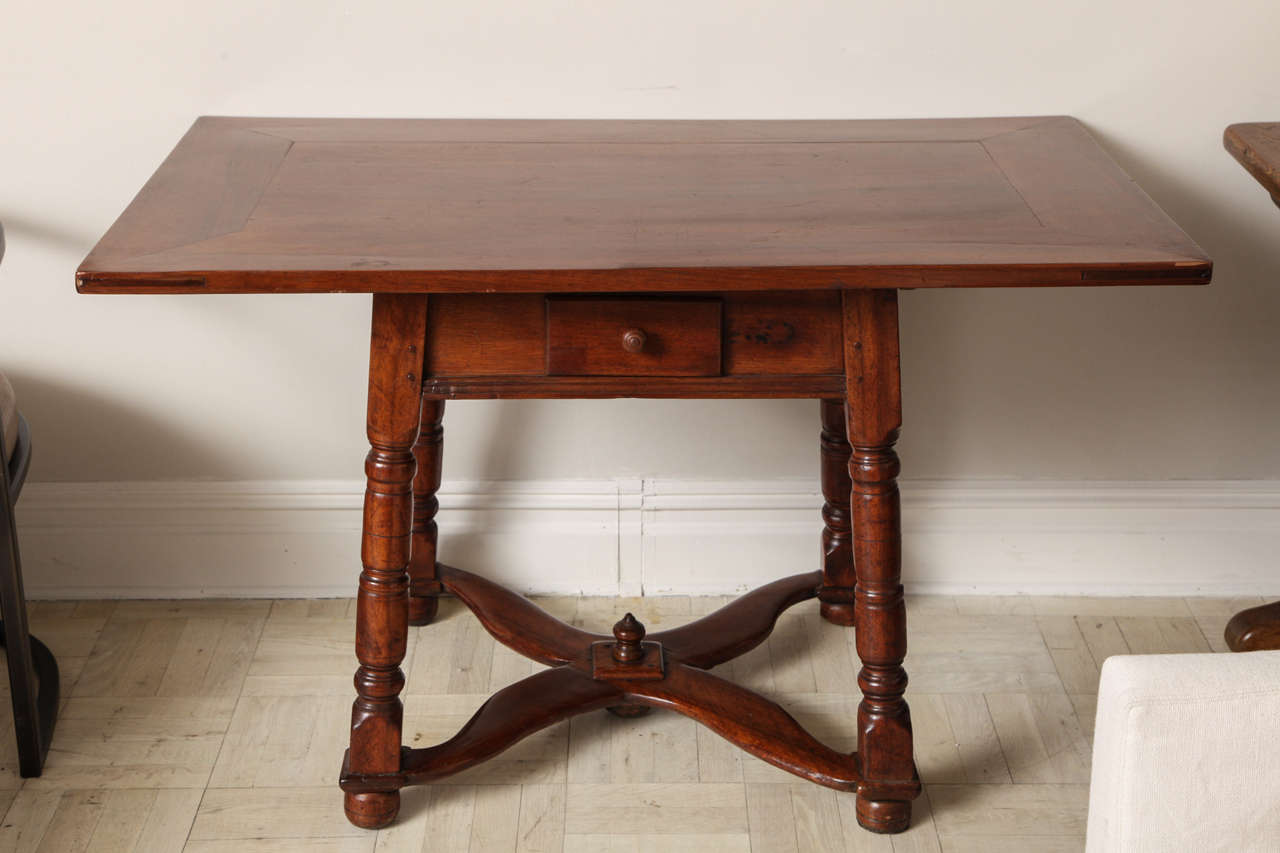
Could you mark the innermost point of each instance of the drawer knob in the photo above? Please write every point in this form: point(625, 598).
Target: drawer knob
point(633, 340)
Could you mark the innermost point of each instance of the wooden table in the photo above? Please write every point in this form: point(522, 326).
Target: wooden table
point(563, 259)
point(1257, 147)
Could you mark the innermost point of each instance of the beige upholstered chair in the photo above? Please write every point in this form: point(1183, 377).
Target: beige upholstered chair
point(1185, 755)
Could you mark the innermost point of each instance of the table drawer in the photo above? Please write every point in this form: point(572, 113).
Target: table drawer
point(633, 337)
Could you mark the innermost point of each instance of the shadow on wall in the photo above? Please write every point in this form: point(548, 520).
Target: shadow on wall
point(1233, 235)
point(69, 419)
point(506, 443)
point(1108, 383)
point(34, 231)
point(631, 439)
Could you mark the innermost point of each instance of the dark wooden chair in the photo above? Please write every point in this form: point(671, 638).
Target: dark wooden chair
point(33, 671)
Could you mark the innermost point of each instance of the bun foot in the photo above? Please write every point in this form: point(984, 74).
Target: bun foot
point(883, 816)
point(422, 609)
point(1255, 629)
point(372, 811)
point(837, 613)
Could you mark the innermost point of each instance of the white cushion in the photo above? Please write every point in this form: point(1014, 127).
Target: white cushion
point(1186, 754)
point(8, 417)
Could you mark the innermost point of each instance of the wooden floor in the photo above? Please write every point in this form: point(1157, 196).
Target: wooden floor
point(219, 726)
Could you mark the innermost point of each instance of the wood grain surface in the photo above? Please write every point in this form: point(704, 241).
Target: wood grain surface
point(633, 337)
point(360, 205)
point(1257, 147)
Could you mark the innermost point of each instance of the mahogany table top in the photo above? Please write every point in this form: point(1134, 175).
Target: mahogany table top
point(1257, 147)
point(254, 205)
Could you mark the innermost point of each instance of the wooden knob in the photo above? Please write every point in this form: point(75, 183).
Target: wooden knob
point(633, 341)
point(628, 633)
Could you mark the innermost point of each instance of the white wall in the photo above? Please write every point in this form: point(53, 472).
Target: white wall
point(1122, 384)
point(652, 536)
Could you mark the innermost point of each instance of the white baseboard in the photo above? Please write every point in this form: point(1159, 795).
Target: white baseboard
point(301, 539)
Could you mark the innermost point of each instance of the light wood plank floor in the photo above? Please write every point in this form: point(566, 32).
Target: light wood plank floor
point(219, 726)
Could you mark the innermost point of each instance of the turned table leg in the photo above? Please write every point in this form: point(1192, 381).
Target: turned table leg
point(874, 417)
point(836, 594)
point(382, 608)
point(428, 450)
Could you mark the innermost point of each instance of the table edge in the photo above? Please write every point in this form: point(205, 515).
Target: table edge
point(1263, 171)
point(1188, 270)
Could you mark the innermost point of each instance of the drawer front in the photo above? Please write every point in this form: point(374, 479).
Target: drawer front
point(633, 337)
point(798, 334)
